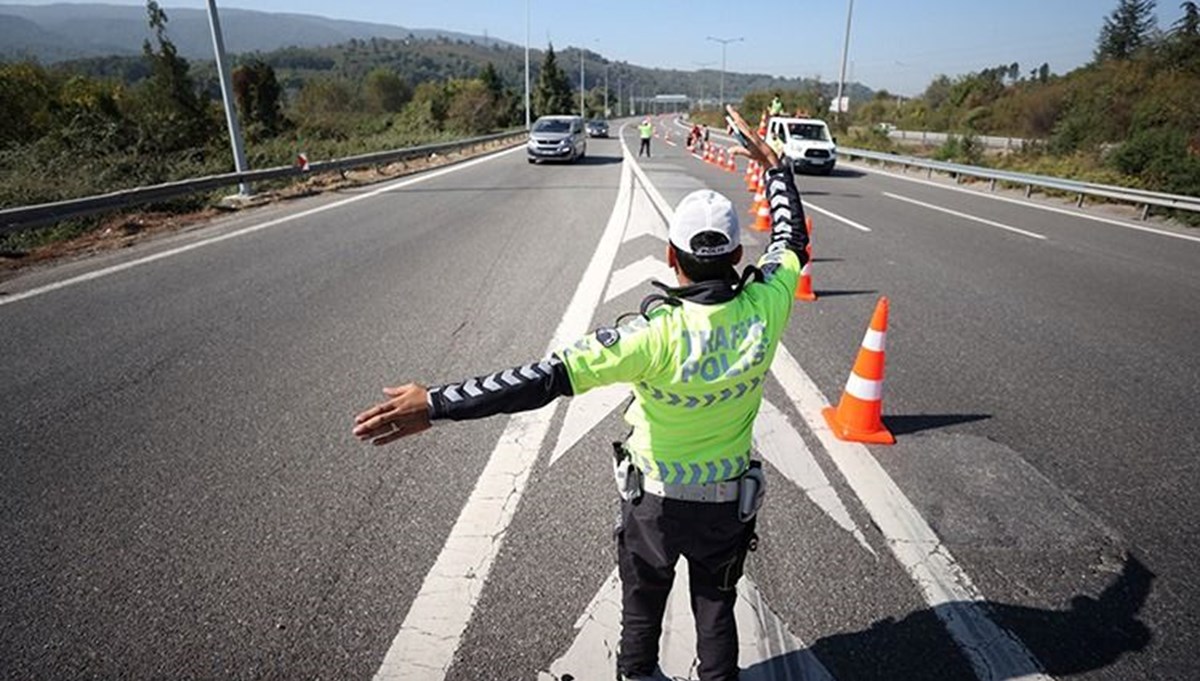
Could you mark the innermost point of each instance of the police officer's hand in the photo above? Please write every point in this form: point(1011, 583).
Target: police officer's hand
point(406, 413)
point(757, 150)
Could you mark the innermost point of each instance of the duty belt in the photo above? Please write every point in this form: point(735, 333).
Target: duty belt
point(709, 492)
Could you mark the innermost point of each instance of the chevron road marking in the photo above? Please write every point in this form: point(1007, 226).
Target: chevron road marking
point(634, 275)
point(423, 650)
point(767, 651)
point(584, 413)
point(779, 443)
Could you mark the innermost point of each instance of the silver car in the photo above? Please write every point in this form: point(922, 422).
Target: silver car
point(560, 138)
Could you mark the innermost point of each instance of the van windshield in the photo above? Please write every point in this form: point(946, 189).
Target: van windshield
point(552, 125)
point(808, 131)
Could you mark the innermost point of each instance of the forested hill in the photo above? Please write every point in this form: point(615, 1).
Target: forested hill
point(52, 33)
point(94, 38)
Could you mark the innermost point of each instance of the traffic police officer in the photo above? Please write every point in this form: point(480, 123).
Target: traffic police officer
point(696, 358)
point(645, 131)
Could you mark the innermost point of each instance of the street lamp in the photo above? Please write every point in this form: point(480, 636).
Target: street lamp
point(231, 119)
point(702, 65)
point(724, 42)
point(582, 85)
point(845, 51)
point(527, 125)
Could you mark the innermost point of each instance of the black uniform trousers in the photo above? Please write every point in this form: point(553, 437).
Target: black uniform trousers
point(644, 146)
point(653, 534)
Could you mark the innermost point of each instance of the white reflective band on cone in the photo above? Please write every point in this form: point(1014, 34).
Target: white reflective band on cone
point(874, 340)
point(864, 389)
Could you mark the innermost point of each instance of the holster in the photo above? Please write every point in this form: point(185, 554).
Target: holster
point(752, 489)
point(627, 475)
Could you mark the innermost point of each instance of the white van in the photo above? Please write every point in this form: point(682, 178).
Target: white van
point(805, 142)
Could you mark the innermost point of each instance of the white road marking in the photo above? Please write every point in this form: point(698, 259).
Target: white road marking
point(965, 216)
point(994, 653)
point(635, 274)
point(767, 651)
point(779, 443)
point(249, 230)
point(584, 413)
point(433, 628)
point(810, 205)
point(1030, 204)
point(644, 219)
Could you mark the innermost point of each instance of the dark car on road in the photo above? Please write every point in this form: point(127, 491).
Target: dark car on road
point(557, 138)
point(597, 127)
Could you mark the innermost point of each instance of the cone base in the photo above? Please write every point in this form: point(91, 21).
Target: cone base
point(879, 437)
point(805, 296)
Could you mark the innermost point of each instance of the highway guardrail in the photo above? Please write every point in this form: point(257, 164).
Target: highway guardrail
point(24, 217)
point(1081, 190)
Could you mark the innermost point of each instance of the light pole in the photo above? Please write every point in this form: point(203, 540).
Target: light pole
point(235, 131)
point(724, 42)
point(702, 65)
point(845, 51)
point(527, 124)
point(582, 85)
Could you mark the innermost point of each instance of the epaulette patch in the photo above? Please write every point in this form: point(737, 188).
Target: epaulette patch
point(607, 336)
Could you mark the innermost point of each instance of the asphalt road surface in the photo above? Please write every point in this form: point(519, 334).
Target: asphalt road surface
point(180, 495)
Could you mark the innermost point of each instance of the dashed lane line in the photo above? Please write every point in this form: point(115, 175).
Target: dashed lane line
point(965, 216)
point(1029, 204)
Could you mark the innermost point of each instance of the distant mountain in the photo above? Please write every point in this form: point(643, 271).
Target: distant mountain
point(52, 33)
point(106, 41)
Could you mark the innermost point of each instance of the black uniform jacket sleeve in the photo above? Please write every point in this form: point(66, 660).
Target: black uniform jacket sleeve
point(522, 388)
point(788, 229)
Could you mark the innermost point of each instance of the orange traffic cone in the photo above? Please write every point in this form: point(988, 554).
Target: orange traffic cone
point(762, 126)
point(804, 289)
point(760, 199)
point(762, 221)
point(857, 416)
point(750, 170)
point(730, 164)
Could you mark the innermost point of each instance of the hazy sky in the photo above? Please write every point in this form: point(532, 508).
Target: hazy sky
point(898, 45)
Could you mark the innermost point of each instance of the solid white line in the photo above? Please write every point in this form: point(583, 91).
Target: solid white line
point(1029, 204)
point(432, 630)
point(994, 653)
point(965, 216)
point(248, 230)
point(835, 216)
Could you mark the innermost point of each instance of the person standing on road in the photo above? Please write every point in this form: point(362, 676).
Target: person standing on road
point(645, 131)
point(696, 357)
point(776, 105)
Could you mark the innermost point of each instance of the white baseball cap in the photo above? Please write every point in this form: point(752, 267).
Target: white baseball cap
point(705, 211)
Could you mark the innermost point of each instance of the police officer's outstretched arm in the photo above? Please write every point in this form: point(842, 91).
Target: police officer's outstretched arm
point(412, 408)
point(610, 355)
point(788, 230)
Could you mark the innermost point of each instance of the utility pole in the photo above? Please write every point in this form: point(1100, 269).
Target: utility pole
point(527, 123)
point(724, 42)
point(845, 52)
point(582, 86)
point(235, 130)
